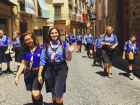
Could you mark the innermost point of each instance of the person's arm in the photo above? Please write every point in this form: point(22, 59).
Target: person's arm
point(123, 57)
point(70, 49)
point(40, 73)
point(94, 48)
point(8, 42)
point(116, 42)
point(21, 68)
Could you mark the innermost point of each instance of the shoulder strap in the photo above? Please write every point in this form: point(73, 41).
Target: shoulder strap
point(64, 43)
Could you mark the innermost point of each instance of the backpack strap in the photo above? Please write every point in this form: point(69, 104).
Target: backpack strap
point(64, 43)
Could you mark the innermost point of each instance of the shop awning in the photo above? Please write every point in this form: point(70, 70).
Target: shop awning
point(29, 7)
point(44, 10)
point(10, 2)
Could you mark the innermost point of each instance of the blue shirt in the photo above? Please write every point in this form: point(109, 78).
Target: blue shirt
point(112, 39)
point(97, 43)
point(131, 47)
point(88, 38)
point(36, 57)
point(17, 41)
point(79, 37)
point(71, 40)
point(58, 54)
point(5, 40)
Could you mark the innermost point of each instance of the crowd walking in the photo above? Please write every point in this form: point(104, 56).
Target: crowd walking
point(46, 64)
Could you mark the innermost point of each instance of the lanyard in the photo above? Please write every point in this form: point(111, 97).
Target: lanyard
point(1, 40)
point(54, 50)
point(32, 53)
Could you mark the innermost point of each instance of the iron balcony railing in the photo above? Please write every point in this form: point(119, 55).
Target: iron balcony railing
point(92, 15)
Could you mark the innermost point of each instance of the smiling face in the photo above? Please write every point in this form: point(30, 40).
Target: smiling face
point(29, 41)
point(109, 30)
point(54, 35)
point(1, 33)
point(15, 35)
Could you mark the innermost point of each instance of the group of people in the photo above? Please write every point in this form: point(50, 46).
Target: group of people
point(105, 48)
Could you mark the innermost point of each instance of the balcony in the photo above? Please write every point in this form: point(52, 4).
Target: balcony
point(92, 15)
point(66, 17)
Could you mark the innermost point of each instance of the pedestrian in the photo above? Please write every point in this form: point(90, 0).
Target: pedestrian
point(30, 60)
point(71, 38)
point(4, 51)
point(17, 45)
point(79, 40)
point(109, 42)
point(98, 50)
point(130, 50)
point(88, 38)
point(56, 52)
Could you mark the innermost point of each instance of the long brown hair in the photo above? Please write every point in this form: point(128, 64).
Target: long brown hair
point(106, 30)
point(4, 32)
point(47, 43)
point(35, 40)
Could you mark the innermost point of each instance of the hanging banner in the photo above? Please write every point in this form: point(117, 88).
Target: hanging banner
point(84, 17)
point(68, 22)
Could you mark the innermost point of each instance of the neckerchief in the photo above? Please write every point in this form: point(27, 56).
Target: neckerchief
point(16, 41)
point(110, 38)
point(78, 36)
point(54, 49)
point(88, 36)
point(32, 53)
point(1, 39)
point(132, 44)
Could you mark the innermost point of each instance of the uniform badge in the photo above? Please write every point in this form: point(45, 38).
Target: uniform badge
point(38, 55)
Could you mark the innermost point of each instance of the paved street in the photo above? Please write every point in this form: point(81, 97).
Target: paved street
point(86, 85)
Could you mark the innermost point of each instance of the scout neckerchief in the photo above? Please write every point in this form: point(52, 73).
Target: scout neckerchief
point(132, 44)
point(110, 38)
point(78, 36)
point(54, 50)
point(1, 39)
point(88, 36)
point(32, 53)
point(16, 41)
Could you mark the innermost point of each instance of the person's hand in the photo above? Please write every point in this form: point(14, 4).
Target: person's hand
point(15, 81)
point(40, 79)
point(72, 47)
point(112, 47)
point(108, 44)
point(95, 51)
point(11, 51)
point(123, 57)
point(85, 42)
point(7, 52)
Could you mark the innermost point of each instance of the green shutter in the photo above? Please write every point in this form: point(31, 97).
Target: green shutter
point(57, 12)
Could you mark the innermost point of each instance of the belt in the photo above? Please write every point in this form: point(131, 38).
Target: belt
point(55, 63)
point(3, 46)
point(17, 47)
point(32, 69)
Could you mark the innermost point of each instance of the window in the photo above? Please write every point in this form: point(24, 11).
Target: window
point(22, 6)
point(70, 12)
point(57, 12)
point(75, 11)
point(39, 11)
point(99, 1)
point(38, 32)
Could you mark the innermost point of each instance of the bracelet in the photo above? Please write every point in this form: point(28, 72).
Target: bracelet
point(39, 74)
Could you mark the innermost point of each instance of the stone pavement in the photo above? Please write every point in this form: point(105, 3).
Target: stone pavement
point(86, 85)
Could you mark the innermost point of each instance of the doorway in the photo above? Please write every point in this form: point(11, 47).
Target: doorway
point(23, 27)
point(45, 33)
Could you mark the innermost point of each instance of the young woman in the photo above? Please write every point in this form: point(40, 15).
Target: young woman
point(79, 39)
point(130, 50)
point(4, 51)
point(109, 42)
point(98, 50)
point(71, 38)
point(88, 38)
point(18, 52)
point(56, 52)
point(31, 60)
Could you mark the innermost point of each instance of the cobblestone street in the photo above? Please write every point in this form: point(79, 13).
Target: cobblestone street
point(86, 85)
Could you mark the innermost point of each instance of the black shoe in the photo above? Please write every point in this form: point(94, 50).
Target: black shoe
point(8, 71)
point(105, 71)
point(94, 62)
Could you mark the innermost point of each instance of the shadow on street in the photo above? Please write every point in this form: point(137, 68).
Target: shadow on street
point(44, 104)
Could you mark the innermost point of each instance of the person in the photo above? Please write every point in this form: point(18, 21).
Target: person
point(18, 52)
point(71, 38)
point(130, 50)
point(79, 39)
point(88, 38)
point(109, 42)
point(98, 50)
point(4, 51)
point(30, 60)
point(56, 52)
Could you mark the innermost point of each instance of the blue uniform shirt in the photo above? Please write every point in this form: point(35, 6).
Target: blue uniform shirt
point(112, 39)
point(71, 40)
point(5, 40)
point(88, 38)
point(17, 41)
point(79, 37)
point(131, 47)
point(36, 58)
point(97, 43)
point(58, 54)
